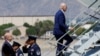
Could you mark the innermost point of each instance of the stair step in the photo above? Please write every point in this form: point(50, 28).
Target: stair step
point(84, 40)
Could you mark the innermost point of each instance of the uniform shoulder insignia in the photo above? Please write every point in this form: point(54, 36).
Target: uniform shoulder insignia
point(38, 52)
point(21, 55)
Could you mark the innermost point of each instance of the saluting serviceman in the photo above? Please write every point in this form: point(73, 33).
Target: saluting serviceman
point(33, 49)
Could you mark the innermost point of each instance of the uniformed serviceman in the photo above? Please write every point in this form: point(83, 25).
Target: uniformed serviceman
point(16, 48)
point(33, 49)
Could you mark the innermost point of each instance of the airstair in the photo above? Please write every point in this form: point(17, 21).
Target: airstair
point(87, 38)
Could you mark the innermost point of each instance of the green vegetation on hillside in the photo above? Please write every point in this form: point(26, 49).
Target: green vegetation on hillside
point(3, 27)
point(39, 28)
point(16, 32)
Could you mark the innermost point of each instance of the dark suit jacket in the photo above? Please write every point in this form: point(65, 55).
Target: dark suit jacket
point(7, 49)
point(60, 27)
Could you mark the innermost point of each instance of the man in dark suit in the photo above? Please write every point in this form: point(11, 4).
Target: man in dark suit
point(7, 49)
point(60, 29)
point(33, 49)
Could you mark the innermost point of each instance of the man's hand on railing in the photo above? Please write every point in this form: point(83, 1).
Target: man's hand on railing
point(71, 28)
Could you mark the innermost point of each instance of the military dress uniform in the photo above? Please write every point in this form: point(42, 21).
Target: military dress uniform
point(19, 52)
point(33, 50)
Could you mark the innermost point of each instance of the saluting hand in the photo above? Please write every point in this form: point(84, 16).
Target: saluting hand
point(26, 43)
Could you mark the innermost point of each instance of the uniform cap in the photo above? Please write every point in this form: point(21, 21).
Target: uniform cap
point(16, 44)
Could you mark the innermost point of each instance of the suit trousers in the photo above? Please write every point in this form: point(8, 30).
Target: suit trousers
point(59, 46)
